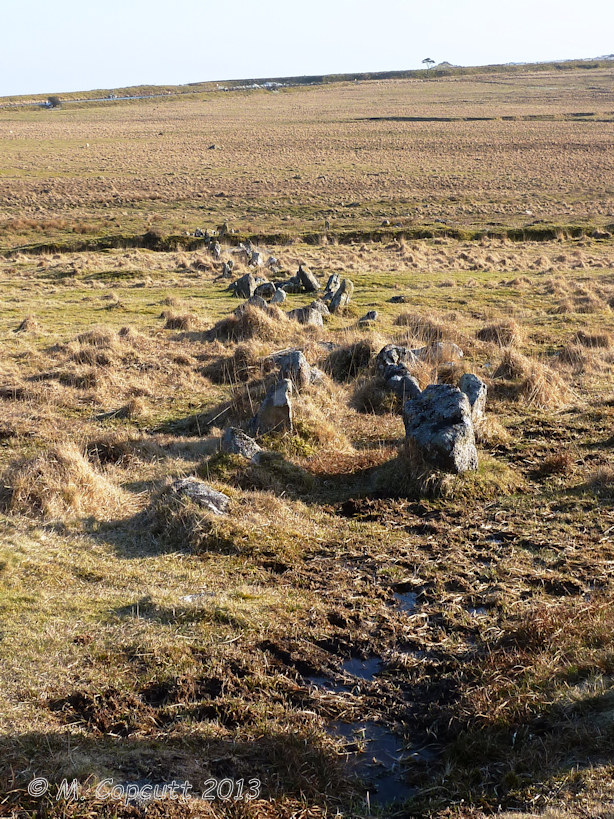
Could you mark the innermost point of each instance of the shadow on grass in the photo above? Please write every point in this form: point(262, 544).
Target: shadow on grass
point(273, 764)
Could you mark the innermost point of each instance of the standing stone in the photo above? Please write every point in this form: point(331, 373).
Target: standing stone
point(308, 316)
point(476, 391)
point(275, 412)
point(320, 307)
point(266, 290)
point(393, 354)
point(293, 365)
point(307, 280)
point(368, 318)
point(256, 259)
point(332, 285)
point(253, 301)
point(291, 286)
point(438, 428)
point(404, 386)
point(279, 296)
point(244, 287)
point(342, 296)
point(216, 250)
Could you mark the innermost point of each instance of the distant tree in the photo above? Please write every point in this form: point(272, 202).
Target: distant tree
point(53, 102)
point(428, 62)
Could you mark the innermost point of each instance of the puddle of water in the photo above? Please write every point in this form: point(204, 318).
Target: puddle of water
point(376, 756)
point(355, 667)
point(328, 685)
point(364, 669)
point(197, 598)
point(480, 611)
point(407, 601)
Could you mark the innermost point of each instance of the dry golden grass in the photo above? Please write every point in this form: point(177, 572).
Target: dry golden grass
point(505, 333)
point(62, 484)
point(144, 639)
point(254, 323)
point(560, 176)
point(532, 381)
point(600, 340)
point(185, 321)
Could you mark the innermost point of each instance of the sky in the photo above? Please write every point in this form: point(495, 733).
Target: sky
point(71, 45)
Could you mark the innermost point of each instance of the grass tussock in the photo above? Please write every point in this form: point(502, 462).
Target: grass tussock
point(243, 365)
point(259, 522)
point(507, 333)
point(100, 336)
point(593, 339)
point(253, 323)
point(273, 472)
point(425, 330)
point(182, 525)
point(580, 358)
point(121, 447)
point(372, 396)
point(181, 321)
point(346, 362)
point(557, 463)
point(62, 484)
point(318, 418)
point(601, 480)
point(408, 476)
point(532, 382)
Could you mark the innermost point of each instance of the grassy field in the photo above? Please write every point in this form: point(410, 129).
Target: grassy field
point(359, 641)
point(347, 155)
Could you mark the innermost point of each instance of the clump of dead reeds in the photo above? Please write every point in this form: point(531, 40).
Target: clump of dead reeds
point(244, 363)
point(601, 480)
point(424, 329)
point(371, 395)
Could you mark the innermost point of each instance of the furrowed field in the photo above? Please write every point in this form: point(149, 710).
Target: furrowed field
point(361, 636)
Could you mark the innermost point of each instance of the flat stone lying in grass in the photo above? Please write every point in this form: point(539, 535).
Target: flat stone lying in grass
point(236, 442)
point(202, 494)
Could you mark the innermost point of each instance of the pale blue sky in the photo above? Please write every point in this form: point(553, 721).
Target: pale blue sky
point(71, 45)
